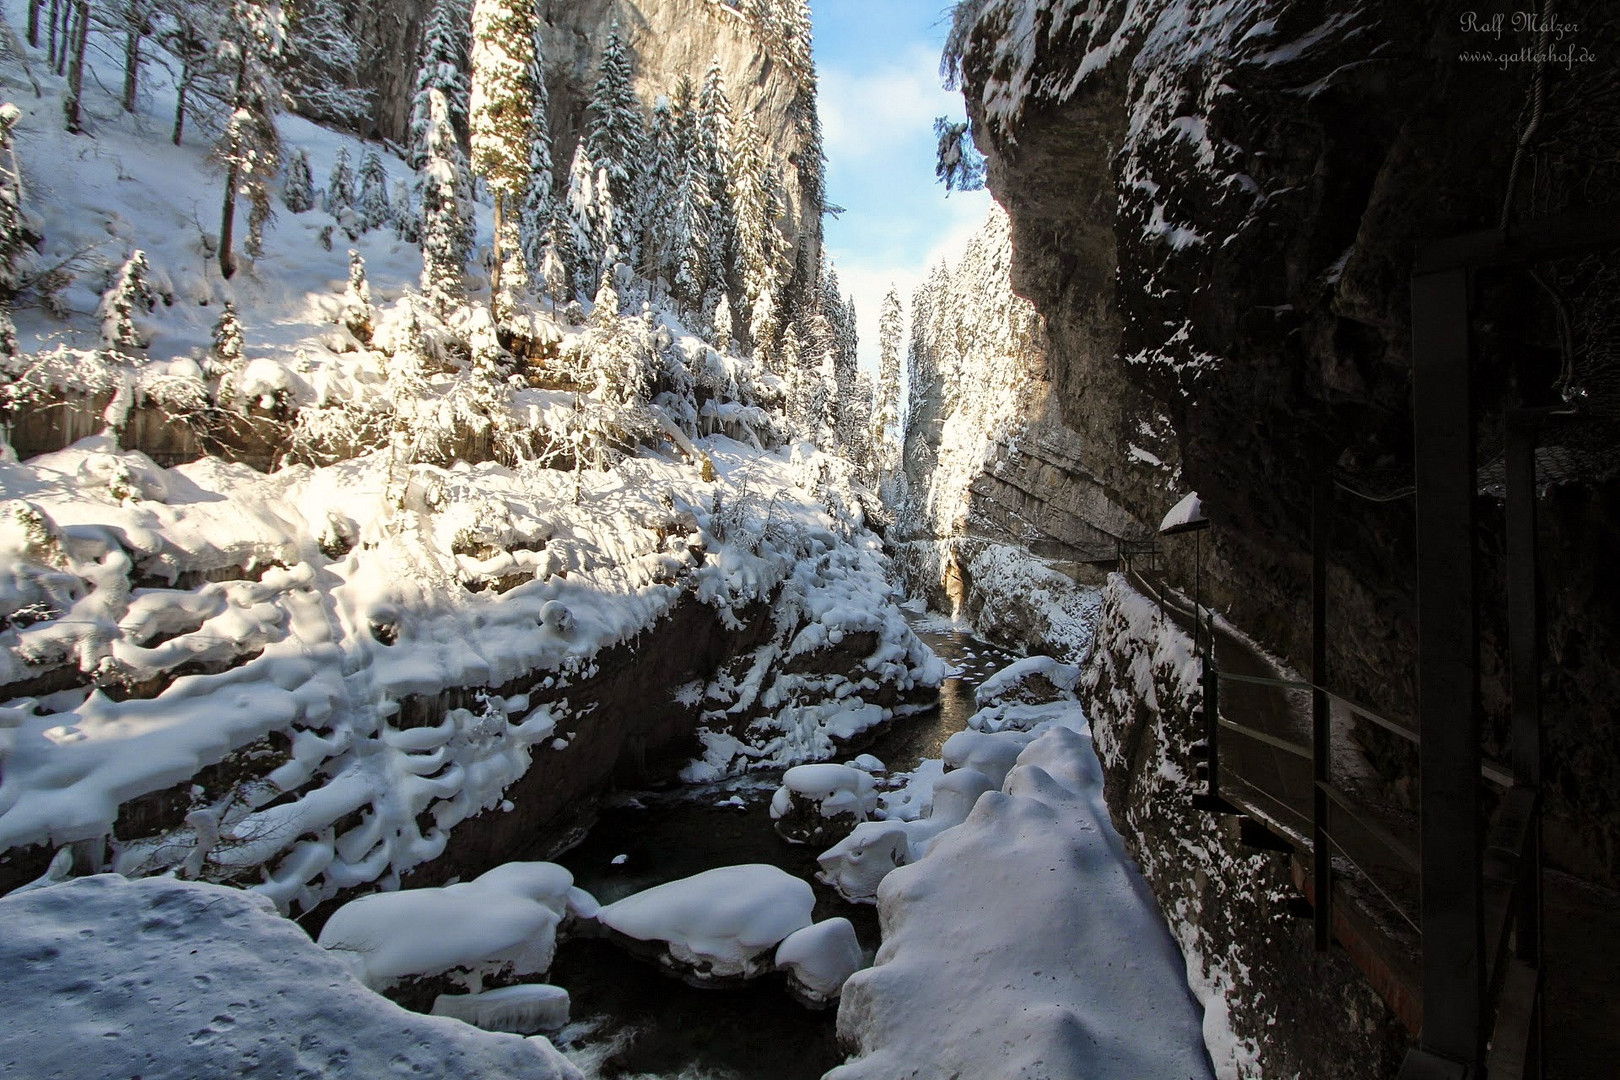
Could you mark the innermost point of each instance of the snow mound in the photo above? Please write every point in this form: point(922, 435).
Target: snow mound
point(991, 753)
point(721, 922)
point(186, 981)
point(819, 959)
point(507, 916)
point(1076, 975)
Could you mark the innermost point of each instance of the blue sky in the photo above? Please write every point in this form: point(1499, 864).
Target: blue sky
point(878, 63)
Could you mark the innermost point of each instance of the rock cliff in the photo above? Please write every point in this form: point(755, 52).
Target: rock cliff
point(1215, 209)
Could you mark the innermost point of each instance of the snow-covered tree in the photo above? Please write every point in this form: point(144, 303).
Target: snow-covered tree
point(886, 414)
point(128, 294)
point(134, 21)
point(225, 357)
point(540, 194)
point(357, 311)
point(658, 194)
point(445, 232)
point(501, 116)
point(721, 335)
point(298, 190)
point(687, 252)
point(442, 67)
point(13, 241)
point(372, 204)
point(715, 152)
point(339, 184)
point(615, 142)
point(323, 62)
point(753, 252)
point(249, 147)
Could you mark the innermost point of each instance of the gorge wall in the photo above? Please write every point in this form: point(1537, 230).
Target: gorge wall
point(1215, 208)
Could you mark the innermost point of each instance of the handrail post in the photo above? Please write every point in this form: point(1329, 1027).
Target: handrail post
point(1524, 653)
point(1321, 718)
point(1212, 709)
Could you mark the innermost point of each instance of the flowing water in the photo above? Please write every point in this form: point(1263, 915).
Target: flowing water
point(632, 1021)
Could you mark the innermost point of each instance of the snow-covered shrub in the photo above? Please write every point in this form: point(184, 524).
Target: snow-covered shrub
point(357, 314)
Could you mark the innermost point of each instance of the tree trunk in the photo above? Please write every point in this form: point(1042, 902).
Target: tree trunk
point(227, 227)
point(181, 89)
point(132, 65)
point(227, 223)
point(495, 271)
point(56, 7)
point(68, 7)
point(33, 21)
point(76, 72)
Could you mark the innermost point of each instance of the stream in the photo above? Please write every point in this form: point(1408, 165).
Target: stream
point(629, 1020)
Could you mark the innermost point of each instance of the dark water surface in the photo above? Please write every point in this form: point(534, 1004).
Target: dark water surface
point(632, 1021)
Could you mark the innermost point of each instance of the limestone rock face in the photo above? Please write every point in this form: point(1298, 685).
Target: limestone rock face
point(1215, 209)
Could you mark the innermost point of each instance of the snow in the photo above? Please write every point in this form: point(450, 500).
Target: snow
point(1065, 677)
point(723, 921)
point(522, 1009)
point(1024, 943)
point(1189, 511)
point(507, 917)
point(820, 957)
point(179, 980)
point(835, 789)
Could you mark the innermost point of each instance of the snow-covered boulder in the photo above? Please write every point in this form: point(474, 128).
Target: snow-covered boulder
point(523, 1009)
point(860, 861)
point(992, 754)
point(816, 802)
point(718, 925)
point(180, 980)
point(819, 959)
point(504, 921)
point(1034, 680)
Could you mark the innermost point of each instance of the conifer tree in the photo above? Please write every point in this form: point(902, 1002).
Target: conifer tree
point(298, 190)
point(249, 146)
point(372, 204)
point(500, 119)
point(442, 67)
point(615, 141)
point(340, 184)
point(721, 338)
point(539, 198)
point(445, 234)
point(128, 293)
point(659, 195)
point(189, 32)
point(13, 241)
point(357, 312)
point(886, 418)
point(687, 257)
point(753, 254)
point(715, 151)
point(225, 357)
